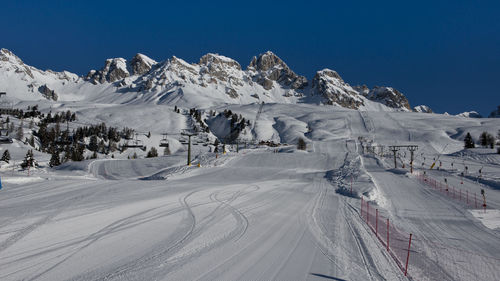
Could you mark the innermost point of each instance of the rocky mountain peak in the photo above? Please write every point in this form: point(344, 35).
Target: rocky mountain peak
point(6, 55)
point(390, 97)
point(114, 69)
point(331, 87)
point(266, 61)
point(9, 60)
point(217, 61)
point(268, 67)
point(141, 64)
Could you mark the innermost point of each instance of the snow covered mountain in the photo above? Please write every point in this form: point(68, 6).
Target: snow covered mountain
point(422, 109)
point(215, 79)
point(470, 114)
point(29, 83)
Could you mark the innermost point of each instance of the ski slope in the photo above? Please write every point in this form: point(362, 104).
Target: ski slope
point(260, 214)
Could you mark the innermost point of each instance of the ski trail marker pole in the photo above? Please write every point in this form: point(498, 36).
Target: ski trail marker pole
point(408, 256)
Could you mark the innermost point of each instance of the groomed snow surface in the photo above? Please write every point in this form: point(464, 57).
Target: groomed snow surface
point(259, 214)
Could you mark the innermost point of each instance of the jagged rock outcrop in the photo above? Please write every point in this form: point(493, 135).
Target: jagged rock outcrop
point(422, 109)
point(268, 67)
point(47, 92)
point(390, 97)
point(113, 70)
point(119, 68)
point(214, 67)
point(362, 90)
point(141, 64)
point(329, 85)
point(495, 113)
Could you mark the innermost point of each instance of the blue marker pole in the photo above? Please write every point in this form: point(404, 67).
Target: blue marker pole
point(0, 183)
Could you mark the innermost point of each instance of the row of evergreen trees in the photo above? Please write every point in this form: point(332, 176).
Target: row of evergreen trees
point(485, 140)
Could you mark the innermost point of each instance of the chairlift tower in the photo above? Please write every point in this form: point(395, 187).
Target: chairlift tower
point(394, 149)
point(189, 135)
point(412, 148)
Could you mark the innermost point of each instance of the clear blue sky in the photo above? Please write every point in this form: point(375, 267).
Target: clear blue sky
point(445, 54)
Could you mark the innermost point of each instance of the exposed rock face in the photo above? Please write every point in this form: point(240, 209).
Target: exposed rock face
point(113, 70)
point(216, 67)
point(47, 93)
point(390, 97)
point(422, 109)
point(328, 84)
point(362, 90)
point(141, 64)
point(118, 68)
point(268, 67)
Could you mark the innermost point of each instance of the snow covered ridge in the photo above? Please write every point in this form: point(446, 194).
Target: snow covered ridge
point(26, 82)
point(214, 80)
point(422, 109)
point(470, 114)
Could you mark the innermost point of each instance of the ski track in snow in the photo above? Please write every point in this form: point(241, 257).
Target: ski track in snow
point(254, 215)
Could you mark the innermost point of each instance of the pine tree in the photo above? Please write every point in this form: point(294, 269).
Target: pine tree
point(29, 160)
point(6, 156)
point(93, 145)
point(31, 141)
point(301, 144)
point(54, 159)
point(486, 139)
point(152, 153)
point(19, 133)
point(468, 141)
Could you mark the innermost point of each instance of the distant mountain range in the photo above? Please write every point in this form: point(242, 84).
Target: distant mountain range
point(214, 80)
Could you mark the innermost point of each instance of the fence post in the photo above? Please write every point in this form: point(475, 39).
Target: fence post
point(376, 222)
point(351, 185)
point(361, 206)
point(408, 256)
point(387, 235)
point(367, 212)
